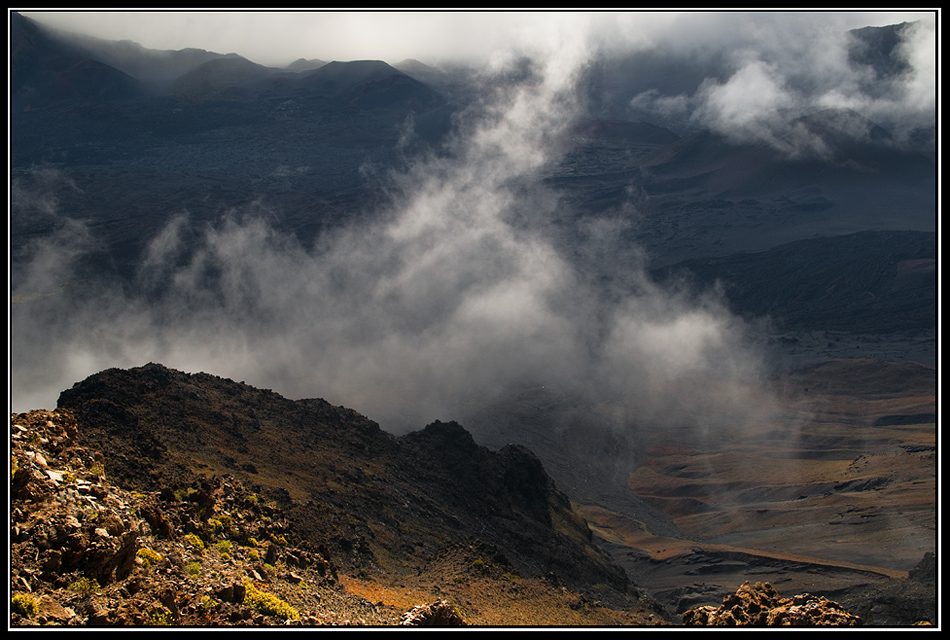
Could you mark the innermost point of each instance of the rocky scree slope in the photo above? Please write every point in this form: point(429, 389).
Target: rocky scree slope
point(88, 553)
point(270, 482)
point(380, 502)
point(216, 552)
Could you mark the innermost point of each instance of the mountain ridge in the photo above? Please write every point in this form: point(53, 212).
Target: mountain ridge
point(158, 427)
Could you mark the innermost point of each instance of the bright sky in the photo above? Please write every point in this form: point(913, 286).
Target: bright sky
point(280, 37)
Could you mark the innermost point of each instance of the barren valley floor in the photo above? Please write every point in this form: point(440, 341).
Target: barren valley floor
point(839, 492)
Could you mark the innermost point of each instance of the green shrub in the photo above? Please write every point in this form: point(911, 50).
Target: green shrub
point(85, 586)
point(223, 546)
point(193, 568)
point(268, 603)
point(25, 605)
point(215, 526)
point(253, 555)
point(195, 541)
point(148, 556)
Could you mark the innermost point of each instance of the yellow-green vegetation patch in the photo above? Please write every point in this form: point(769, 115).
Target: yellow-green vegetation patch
point(25, 605)
point(215, 526)
point(160, 618)
point(85, 586)
point(268, 603)
point(194, 541)
point(148, 556)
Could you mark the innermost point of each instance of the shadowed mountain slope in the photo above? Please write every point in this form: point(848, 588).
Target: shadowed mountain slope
point(879, 49)
point(873, 281)
point(154, 68)
point(384, 503)
point(218, 78)
point(367, 84)
point(46, 71)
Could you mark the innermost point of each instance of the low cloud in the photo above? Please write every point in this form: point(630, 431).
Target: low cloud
point(778, 71)
point(446, 301)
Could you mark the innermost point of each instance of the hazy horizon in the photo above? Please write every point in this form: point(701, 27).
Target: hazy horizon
point(277, 38)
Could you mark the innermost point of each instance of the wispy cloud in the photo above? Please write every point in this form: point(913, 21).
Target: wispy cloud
point(445, 300)
point(778, 70)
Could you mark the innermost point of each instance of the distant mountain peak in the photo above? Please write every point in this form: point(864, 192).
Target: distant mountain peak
point(302, 64)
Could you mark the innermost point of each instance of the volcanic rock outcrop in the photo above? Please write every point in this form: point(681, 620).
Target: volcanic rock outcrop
point(759, 605)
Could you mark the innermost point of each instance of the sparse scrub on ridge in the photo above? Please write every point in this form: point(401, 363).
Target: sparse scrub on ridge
point(268, 603)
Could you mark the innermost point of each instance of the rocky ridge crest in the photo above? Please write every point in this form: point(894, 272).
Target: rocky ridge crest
point(110, 527)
